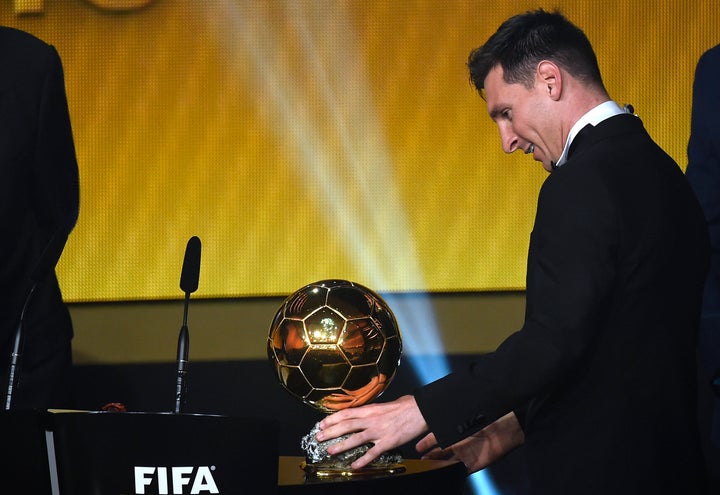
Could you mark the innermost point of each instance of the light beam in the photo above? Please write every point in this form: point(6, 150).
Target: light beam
point(328, 114)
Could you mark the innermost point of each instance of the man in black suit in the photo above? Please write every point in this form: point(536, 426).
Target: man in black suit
point(38, 208)
point(598, 386)
point(703, 173)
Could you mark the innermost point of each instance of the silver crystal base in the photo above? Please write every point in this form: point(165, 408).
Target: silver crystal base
point(320, 463)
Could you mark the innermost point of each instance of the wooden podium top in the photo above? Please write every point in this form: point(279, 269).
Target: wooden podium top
point(425, 476)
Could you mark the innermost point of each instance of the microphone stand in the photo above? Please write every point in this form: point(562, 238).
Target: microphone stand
point(188, 283)
point(17, 351)
point(182, 359)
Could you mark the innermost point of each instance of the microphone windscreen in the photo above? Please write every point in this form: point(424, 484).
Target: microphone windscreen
point(190, 276)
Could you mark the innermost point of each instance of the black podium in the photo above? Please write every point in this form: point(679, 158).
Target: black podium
point(25, 465)
point(83, 452)
point(121, 453)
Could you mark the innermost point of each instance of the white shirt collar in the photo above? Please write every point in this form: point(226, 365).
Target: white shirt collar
point(593, 117)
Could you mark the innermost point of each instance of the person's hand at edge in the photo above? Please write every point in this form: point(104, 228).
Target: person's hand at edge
point(480, 449)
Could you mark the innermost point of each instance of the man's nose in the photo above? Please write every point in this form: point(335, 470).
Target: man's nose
point(509, 140)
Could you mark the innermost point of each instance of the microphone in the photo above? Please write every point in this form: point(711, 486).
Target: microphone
point(628, 108)
point(44, 266)
point(190, 275)
point(189, 279)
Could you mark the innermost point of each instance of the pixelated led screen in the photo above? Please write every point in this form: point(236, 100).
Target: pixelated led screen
point(306, 140)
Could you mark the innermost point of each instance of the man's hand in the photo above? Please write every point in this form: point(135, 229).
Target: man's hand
point(386, 425)
point(481, 449)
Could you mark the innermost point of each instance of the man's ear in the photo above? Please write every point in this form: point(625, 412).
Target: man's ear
point(549, 79)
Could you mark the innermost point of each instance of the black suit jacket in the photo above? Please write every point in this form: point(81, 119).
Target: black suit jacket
point(38, 201)
point(602, 373)
point(703, 173)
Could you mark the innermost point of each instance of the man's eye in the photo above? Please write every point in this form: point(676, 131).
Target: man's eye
point(506, 115)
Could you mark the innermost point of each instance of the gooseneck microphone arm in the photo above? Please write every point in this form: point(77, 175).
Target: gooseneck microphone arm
point(182, 361)
point(45, 264)
point(188, 283)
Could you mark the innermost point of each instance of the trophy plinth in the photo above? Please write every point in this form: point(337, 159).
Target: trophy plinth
point(335, 344)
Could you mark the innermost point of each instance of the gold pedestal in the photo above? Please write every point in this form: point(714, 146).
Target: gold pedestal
point(328, 472)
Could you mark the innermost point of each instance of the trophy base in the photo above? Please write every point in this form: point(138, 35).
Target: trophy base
point(320, 465)
point(328, 472)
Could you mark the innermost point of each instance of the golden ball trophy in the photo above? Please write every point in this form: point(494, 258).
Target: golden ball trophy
point(335, 344)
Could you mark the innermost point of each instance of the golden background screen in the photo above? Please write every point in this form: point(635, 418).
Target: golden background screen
point(305, 140)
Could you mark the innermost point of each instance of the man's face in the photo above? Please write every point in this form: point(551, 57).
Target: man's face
point(524, 118)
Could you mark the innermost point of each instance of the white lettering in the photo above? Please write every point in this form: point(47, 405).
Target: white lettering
point(180, 477)
point(141, 478)
point(162, 481)
point(204, 481)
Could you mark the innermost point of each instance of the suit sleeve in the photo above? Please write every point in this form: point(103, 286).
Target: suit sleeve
point(703, 174)
point(703, 170)
point(55, 171)
point(570, 274)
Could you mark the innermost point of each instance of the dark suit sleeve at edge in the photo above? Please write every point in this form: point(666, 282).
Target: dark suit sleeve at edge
point(56, 170)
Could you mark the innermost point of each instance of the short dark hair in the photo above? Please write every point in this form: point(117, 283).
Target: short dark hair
point(524, 40)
